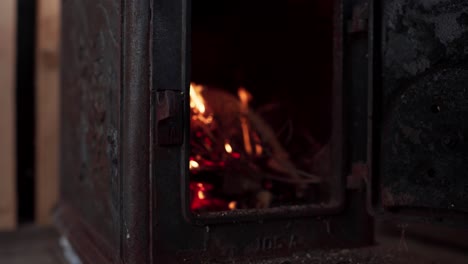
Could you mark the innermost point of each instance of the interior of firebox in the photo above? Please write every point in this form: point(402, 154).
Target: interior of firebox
point(261, 104)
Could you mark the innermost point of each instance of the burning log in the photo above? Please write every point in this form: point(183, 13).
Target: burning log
point(236, 145)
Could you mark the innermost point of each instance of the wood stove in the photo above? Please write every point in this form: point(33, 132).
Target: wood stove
point(219, 132)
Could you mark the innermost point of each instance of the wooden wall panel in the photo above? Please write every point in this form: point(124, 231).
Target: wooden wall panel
point(7, 115)
point(47, 108)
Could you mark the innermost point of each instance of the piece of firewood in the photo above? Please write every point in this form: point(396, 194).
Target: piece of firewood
point(227, 109)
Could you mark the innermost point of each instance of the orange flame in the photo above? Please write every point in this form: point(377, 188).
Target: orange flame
point(201, 195)
point(258, 149)
point(196, 99)
point(245, 97)
point(228, 148)
point(197, 104)
point(232, 205)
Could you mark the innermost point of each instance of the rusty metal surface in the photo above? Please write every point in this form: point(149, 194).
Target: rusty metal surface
point(424, 154)
point(135, 128)
point(178, 241)
point(105, 129)
point(123, 175)
point(90, 98)
point(113, 161)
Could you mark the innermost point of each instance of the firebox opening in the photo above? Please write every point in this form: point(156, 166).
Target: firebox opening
point(261, 104)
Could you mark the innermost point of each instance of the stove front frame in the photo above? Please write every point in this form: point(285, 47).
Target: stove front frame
point(178, 234)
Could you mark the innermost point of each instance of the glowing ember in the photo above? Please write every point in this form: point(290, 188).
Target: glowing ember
point(193, 164)
point(201, 191)
point(201, 195)
point(228, 148)
point(201, 200)
point(232, 205)
point(258, 149)
point(245, 97)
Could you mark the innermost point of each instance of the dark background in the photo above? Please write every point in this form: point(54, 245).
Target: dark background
point(25, 107)
point(281, 51)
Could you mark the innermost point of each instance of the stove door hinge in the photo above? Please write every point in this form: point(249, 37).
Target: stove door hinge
point(170, 118)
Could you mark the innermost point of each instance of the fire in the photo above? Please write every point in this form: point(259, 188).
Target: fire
point(207, 146)
point(228, 148)
point(201, 189)
point(196, 99)
point(232, 205)
point(197, 104)
point(245, 97)
point(258, 149)
point(193, 165)
point(201, 195)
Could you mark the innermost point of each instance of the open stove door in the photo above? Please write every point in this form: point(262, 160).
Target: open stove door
point(105, 134)
point(420, 111)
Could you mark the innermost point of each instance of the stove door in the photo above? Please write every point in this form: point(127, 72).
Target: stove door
point(421, 110)
point(105, 97)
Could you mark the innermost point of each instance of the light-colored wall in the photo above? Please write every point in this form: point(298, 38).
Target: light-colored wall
point(47, 108)
point(7, 115)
